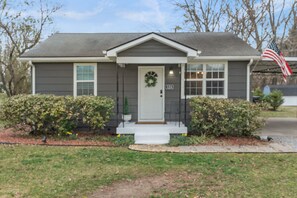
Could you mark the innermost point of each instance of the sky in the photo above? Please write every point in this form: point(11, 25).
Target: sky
point(116, 16)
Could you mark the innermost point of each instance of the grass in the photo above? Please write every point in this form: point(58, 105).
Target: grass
point(283, 112)
point(37, 171)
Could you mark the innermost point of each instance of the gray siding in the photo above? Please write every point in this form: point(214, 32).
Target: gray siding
point(54, 78)
point(237, 82)
point(57, 78)
point(152, 48)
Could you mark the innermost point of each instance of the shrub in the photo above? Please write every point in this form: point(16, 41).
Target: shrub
point(126, 107)
point(43, 113)
point(224, 117)
point(180, 140)
point(55, 114)
point(124, 140)
point(94, 111)
point(258, 92)
point(275, 99)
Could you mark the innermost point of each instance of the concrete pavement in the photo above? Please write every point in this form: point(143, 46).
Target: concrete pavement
point(280, 127)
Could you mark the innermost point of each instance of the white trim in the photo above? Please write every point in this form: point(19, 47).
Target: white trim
point(139, 93)
point(33, 79)
point(248, 77)
point(152, 60)
point(113, 52)
point(286, 58)
point(204, 80)
point(222, 58)
point(75, 77)
point(65, 59)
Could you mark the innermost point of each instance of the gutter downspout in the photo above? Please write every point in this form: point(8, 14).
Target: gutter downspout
point(248, 81)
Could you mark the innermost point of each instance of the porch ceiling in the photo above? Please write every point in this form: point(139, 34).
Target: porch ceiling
point(267, 66)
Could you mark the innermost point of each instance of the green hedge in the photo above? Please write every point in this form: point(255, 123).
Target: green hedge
point(56, 114)
point(224, 117)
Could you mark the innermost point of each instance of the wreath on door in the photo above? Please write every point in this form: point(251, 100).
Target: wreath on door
point(150, 79)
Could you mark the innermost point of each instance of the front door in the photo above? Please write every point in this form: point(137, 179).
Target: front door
point(151, 94)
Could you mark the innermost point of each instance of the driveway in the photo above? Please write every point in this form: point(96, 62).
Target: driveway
point(282, 130)
point(280, 127)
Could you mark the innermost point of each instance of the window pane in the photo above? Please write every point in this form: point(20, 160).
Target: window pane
point(85, 72)
point(215, 87)
point(194, 87)
point(85, 88)
point(215, 70)
point(194, 71)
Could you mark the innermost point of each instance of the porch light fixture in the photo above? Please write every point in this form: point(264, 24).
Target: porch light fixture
point(171, 71)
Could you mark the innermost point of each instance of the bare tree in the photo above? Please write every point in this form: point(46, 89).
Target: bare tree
point(21, 27)
point(202, 16)
point(255, 21)
point(290, 42)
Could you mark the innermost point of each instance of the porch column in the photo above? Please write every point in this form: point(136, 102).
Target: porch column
point(117, 93)
point(185, 92)
point(123, 90)
point(180, 93)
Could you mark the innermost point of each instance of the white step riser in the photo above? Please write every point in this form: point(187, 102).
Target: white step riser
point(152, 138)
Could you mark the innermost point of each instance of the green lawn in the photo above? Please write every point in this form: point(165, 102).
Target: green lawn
point(37, 171)
point(284, 112)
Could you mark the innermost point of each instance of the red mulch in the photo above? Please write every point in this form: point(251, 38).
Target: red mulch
point(10, 136)
point(235, 141)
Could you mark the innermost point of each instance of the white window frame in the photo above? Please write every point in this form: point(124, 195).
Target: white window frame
point(75, 81)
point(204, 79)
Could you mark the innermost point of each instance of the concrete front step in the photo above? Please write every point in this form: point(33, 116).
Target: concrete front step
point(152, 133)
point(152, 137)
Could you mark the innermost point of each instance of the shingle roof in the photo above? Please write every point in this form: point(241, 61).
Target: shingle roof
point(92, 44)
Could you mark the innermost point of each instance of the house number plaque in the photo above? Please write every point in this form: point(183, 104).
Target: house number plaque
point(169, 86)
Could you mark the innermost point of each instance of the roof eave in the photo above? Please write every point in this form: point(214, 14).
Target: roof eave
point(64, 59)
point(233, 58)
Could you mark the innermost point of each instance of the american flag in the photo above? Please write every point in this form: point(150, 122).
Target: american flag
point(272, 52)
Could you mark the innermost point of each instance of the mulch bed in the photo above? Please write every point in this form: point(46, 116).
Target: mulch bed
point(236, 141)
point(10, 136)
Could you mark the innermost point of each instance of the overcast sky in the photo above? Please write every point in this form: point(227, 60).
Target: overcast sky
point(116, 16)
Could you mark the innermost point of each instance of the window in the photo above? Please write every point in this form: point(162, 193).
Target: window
point(85, 78)
point(206, 79)
point(194, 76)
point(215, 79)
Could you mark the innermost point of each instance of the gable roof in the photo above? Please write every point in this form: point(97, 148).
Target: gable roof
point(157, 37)
point(93, 44)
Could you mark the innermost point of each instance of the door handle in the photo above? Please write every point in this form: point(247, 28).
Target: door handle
point(161, 93)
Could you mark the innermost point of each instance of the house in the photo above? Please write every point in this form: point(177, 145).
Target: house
point(289, 93)
point(157, 72)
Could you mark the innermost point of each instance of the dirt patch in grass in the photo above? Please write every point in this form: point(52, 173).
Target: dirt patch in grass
point(147, 186)
point(10, 136)
point(236, 141)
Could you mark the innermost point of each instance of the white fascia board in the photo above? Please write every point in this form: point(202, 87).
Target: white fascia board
point(65, 59)
point(199, 58)
point(190, 52)
point(287, 59)
point(151, 60)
